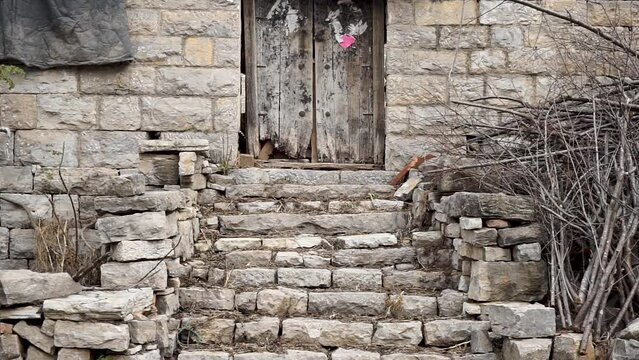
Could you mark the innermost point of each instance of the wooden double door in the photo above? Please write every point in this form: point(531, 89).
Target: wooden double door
point(315, 78)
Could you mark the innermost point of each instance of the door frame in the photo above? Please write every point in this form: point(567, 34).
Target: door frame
point(249, 41)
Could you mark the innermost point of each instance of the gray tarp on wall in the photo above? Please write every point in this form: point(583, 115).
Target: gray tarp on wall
point(48, 33)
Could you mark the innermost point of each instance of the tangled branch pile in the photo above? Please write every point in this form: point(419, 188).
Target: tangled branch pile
point(576, 153)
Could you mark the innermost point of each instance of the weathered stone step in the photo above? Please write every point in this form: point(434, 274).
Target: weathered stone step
point(310, 192)
point(277, 223)
point(333, 207)
point(313, 353)
point(310, 177)
point(383, 335)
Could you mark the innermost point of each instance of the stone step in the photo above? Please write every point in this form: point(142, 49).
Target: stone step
point(279, 223)
point(284, 206)
point(388, 278)
point(310, 177)
point(383, 335)
point(310, 192)
point(314, 353)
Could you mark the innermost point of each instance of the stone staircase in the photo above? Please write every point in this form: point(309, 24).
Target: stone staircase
point(295, 264)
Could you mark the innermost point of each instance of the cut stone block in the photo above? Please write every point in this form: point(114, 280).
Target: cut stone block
point(142, 250)
point(398, 333)
point(347, 354)
point(85, 335)
point(74, 354)
point(150, 201)
point(88, 181)
point(374, 257)
point(174, 146)
point(203, 355)
point(214, 299)
point(253, 277)
point(450, 303)
point(22, 244)
point(328, 224)
point(306, 192)
point(17, 179)
point(498, 206)
point(212, 330)
point(310, 278)
point(21, 313)
point(357, 279)
point(142, 331)
point(413, 306)
point(14, 207)
point(331, 333)
point(11, 346)
point(513, 281)
point(263, 331)
point(528, 349)
point(142, 226)
point(527, 252)
point(452, 331)
point(369, 241)
point(34, 336)
point(520, 235)
point(481, 237)
point(566, 347)
point(99, 305)
point(229, 244)
point(415, 279)
point(24, 286)
point(140, 274)
point(33, 353)
point(351, 303)
point(282, 302)
point(470, 223)
point(520, 320)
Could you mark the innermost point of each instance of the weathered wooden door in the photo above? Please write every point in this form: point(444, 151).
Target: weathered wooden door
point(316, 68)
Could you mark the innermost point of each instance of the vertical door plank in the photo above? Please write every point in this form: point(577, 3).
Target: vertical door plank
point(285, 79)
point(250, 59)
point(379, 99)
point(344, 84)
point(296, 79)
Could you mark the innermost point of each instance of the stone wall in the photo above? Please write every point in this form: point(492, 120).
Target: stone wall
point(443, 50)
point(184, 82)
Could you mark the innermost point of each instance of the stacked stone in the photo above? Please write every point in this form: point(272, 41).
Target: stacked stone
point(48, 316)
point(316, 260)
point(498, 249)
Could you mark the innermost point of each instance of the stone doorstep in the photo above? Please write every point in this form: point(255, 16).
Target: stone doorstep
point(333, 207)
point(362, 223)
point(310, 177)
point(310, 192)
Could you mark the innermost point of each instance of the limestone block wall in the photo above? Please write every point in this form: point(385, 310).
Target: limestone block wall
point(443, 50)
point(184, 82)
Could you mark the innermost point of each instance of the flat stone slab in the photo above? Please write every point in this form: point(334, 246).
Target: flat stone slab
point(91, 335)
point(452, 331)
point(142, 226)
point(326, 332)
point(150, 201)
point(369, 241)
point(176, 145)
point(508, 281)
point(520, 320)
point(25, 286)
point(484, 205)
point(99, 305)
point(139, 274)
point(324, 224)
point(21, 313)
point(308, 192)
